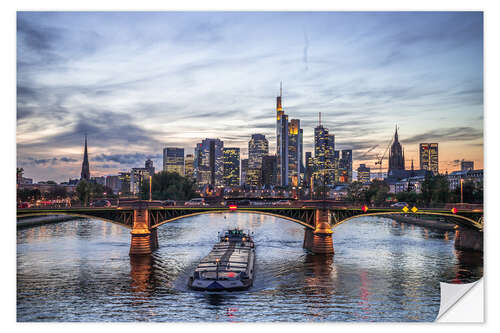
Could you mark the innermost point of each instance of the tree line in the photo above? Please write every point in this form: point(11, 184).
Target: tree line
point(434, 191)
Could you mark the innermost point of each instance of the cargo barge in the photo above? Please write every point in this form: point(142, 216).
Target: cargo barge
point(229, 266)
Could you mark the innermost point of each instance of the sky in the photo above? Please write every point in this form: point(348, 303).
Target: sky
point(137, 82)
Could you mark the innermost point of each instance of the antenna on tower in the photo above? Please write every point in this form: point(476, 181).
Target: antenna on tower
point(319, 124)
point(281, 88)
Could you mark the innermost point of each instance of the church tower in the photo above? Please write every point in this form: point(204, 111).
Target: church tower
point(85, 165)
point(396, 155)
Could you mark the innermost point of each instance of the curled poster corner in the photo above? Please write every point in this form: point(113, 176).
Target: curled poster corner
point(463, 308)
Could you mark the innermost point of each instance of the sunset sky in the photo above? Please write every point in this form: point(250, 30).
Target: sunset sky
point(137, 82)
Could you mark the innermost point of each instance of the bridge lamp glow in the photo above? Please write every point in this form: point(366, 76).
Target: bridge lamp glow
point(364, 208)
point(233, 207)
point(454, 210)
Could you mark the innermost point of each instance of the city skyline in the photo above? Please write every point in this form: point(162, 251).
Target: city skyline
point(179, 78)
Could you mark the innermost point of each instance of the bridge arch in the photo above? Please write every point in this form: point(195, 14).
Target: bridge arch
point(75, 215)
point(225, 211)
point(454, 219)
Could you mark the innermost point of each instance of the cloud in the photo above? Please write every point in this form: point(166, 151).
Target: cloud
point(464, 134)
point(126, 159)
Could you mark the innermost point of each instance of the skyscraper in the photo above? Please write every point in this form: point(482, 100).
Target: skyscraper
point(85, 175)
point(231, 167)
point(324, 154)
point(281, 141)
point(363, 173)
point(269, 170)
point(209, 163)
point(396, 155)
point(429, 157)
point(173, 160)
point(294, 152)
point(244, 170)
point(258, 147)
point(345, 166)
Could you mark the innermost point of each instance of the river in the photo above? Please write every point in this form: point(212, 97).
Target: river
point(382, 271)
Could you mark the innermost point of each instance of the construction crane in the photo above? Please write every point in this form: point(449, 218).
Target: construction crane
point(366, 152)
point(379, 160)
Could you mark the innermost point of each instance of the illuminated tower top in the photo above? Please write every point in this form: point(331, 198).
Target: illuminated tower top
point(279, 107)
point(85, 165)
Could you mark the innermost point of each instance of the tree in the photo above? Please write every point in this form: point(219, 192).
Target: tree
point(83, 190)
point(355, 192)
point(377, 192)
point(169, 186)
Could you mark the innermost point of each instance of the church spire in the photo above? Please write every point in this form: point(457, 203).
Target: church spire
point(85, 165)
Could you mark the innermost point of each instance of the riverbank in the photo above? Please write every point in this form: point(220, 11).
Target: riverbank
point(41, 220)
point(428, 223)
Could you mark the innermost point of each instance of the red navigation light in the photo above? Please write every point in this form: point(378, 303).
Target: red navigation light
point(231, 274)
point(233, 207)
point(454, 210)
point(364, 208)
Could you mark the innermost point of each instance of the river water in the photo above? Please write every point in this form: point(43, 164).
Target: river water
point(381, 271)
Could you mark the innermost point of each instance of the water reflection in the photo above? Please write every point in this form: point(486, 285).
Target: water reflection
point(140, 272)
point(381, 271)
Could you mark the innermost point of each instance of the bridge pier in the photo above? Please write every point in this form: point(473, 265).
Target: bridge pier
point(468, 239)
point(143, 240)
point(320, 240)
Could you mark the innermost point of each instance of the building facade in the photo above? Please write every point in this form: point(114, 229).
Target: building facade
point(173, 160)
point(454, 178)
point(209, 163)
point(295, 144)
point(189, 166)
point(113, 182)
point(244, 170)
point(324, 155)
point(345, 166)
point(258, 147)
point(363, 173)
point(231, 167)
point(269, 171)
point(466, 165)
point(138, 176)
point(429, 157)
point(124, 182)
point(281, 141)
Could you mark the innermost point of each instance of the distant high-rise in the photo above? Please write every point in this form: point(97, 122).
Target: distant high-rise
point(209, 163)
point(269, 170)
point(396, 155)
point(85, 175)
point(345, 166)
point(258, 147)
point(429, 157)
point(231, 167)
point(294, 152)
point(466, 165)
point(244, 170)
point(113, 182)
point(189, 166)
point(124, 178)
point(309, 168)
point(149, 166)
point(173, 160)
point(324, 154)
point(363, 173)
point(281, 141)
point(138, 176)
